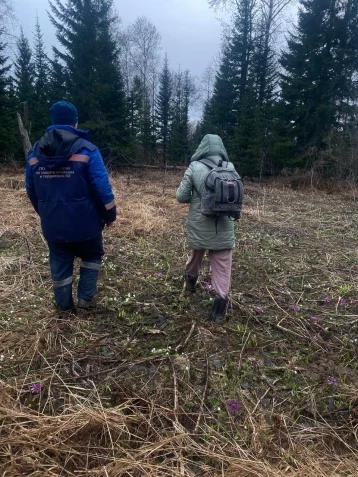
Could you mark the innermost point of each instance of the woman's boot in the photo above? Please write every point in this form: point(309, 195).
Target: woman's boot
point(218, 311)
point(190, 282)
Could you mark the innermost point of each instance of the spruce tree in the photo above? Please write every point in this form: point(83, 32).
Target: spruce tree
point(41, 83)
point(187, 86)
point(57, 82)
point(41, 64)
point(146, 132)
point(179, 134)
point(219, 116)
point(347, 58)
point(140, 121)
point(243, 108)
point(319, 64)
point(8, 133)
point(163, 108)
point(233, 76)
point(24, 78)
point(252, 145)
point(244, 148)
point(205, 125)
point(176, 126)
point(243, 44)
point(242, 141)
point(111, 98)
point(91, 65)
point(135, 107)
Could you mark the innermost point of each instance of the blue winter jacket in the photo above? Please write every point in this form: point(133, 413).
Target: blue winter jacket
point(68, 185)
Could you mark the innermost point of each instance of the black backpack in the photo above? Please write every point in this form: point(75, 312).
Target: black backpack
point(224, 192)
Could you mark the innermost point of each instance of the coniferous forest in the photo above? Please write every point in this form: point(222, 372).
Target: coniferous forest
point(283, 95)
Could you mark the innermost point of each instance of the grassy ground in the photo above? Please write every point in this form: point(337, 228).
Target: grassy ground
point(144, 385)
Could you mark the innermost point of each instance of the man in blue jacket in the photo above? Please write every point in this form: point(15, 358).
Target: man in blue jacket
point(68, 185)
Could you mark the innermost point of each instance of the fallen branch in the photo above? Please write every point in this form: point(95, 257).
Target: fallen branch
point(202, 402)
point(183, 344)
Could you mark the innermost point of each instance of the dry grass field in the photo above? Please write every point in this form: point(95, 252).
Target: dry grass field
point(144, 385)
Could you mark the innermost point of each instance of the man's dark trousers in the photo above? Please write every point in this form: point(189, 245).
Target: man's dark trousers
point(62, 256)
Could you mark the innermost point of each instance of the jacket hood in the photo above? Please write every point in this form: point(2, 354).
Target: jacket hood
point(211, 147)
point(58, 144)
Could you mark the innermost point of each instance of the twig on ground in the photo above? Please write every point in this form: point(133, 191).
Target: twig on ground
point(201, 408)
point(183, 344)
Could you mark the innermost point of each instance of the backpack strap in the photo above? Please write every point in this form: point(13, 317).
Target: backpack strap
point(208, 163)
point(212, 165)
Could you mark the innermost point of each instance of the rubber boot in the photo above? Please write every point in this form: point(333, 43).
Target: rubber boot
point(190, 282)
point(218, 311)
point(84, 304)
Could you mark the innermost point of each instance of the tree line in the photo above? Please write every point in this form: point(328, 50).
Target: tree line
point(135, 106)
point(291, 106)
point(280, 98)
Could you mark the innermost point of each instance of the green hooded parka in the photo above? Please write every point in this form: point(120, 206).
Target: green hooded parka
point(202, 232)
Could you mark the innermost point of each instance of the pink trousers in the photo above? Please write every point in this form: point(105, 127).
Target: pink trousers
point(220, 263)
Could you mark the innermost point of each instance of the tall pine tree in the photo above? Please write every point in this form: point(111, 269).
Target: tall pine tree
point(41, 64)
point(7, 123)
point(219, 116)
point(163, 109)
point(57, 82)
point(319, 66)
point(243, 107)
point(146, 137)
point(233, 76)
point(179, 131)
point(187, 91)
point(135, 107)
point(252, 146)
point(91, 60)
point(41, 83)
point(24, 79)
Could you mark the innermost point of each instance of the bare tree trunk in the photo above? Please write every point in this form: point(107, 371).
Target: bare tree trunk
point(26, 144)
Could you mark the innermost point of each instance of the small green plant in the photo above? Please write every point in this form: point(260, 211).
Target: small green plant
point(208, 303)
point(122, 313)
point(82, 341)
point(162, 351)
point(241, 329)
point(135, 318)
point(104, 388)
point(345, 289)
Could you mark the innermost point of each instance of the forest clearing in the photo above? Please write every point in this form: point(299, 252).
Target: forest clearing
point(144, 384)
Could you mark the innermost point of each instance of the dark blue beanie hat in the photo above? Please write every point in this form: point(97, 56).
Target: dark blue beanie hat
point(64, 113)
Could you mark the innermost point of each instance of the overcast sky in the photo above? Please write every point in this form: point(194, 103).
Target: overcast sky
point(191, 31)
